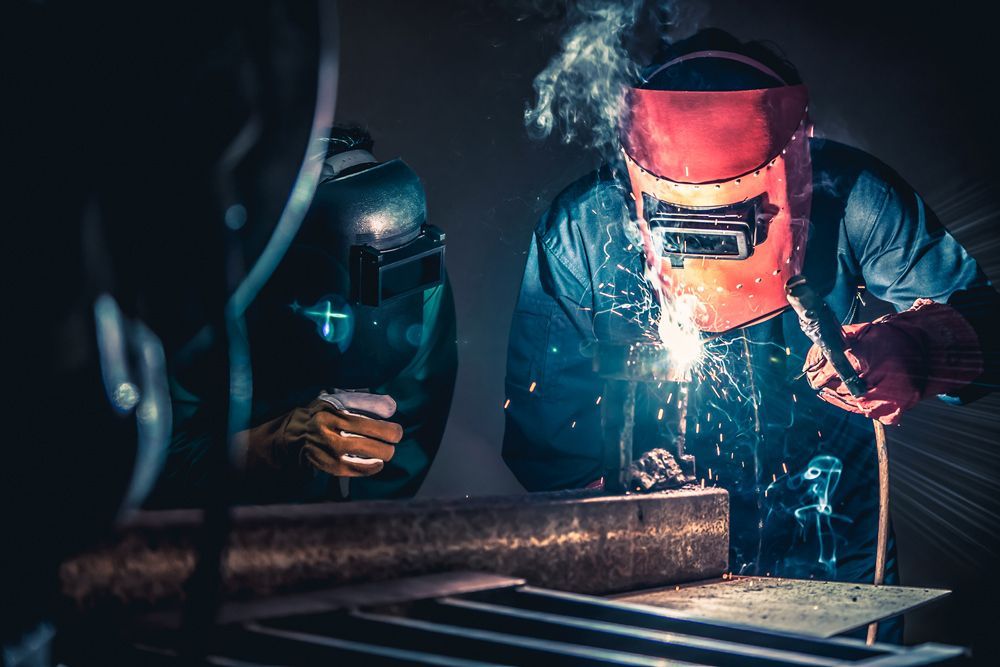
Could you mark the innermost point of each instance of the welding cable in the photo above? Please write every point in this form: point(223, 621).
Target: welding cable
point(882, 543)
point(820, 325)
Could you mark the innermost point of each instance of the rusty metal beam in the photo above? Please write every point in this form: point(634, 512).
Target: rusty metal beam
point(575, 541)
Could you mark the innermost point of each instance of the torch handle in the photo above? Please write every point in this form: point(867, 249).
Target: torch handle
point(821, 326)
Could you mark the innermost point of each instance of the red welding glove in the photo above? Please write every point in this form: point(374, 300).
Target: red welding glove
point(344, 434)
point(904, 358)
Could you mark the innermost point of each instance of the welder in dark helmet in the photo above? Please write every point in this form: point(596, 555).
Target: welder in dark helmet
point(352, 344)
point(720, 196)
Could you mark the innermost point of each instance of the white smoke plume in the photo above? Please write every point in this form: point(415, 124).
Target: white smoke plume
point(579, 94)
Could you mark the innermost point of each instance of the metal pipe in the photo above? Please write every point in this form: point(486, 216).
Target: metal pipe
point(623, 366)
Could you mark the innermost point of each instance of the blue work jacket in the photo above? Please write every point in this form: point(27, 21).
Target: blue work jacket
point(801, 474)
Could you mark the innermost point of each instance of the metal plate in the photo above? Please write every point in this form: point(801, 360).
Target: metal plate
point(815, 608)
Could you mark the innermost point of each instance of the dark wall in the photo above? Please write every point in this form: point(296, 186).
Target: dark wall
point(444, 84)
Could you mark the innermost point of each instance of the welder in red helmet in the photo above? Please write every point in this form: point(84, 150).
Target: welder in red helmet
point(721, 194)
point(722, 183)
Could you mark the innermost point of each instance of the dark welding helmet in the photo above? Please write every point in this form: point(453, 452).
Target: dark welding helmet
point(345, 307)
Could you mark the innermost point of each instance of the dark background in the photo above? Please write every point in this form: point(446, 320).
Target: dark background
point(444, 85)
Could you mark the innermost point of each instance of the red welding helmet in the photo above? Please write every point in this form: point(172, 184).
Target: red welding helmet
point(722, 184)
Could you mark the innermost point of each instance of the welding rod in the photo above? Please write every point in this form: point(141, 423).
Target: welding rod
point(883, 515)
point(821, 326)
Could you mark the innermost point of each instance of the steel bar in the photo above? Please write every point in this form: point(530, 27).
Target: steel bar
point(580, 541)
point(671, 620)
point(461, 620)
point(614, 636)
point(527, 625)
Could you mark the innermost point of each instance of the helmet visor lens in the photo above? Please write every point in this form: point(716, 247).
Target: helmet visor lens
point(381, 276)
point(724, 232)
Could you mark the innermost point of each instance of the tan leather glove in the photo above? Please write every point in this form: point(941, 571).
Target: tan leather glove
point(344, 434)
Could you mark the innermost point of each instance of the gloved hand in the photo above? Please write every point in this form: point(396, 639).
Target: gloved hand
point(344, 434)
point(905, 357)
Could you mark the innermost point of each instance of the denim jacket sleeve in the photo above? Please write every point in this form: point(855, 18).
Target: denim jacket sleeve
point(905, 253)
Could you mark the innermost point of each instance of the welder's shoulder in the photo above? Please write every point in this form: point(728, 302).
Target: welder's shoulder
point(855, 183)
point(579, 215)
point(847, 171)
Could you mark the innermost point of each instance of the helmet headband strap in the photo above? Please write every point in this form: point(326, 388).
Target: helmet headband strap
point(724, 55)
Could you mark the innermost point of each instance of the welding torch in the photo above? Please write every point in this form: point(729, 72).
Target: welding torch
point(821, 326)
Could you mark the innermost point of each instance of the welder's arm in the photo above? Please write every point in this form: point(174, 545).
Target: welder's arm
point(350, 436)
point(423, 393)
point(552, 435)
point(948, 347)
